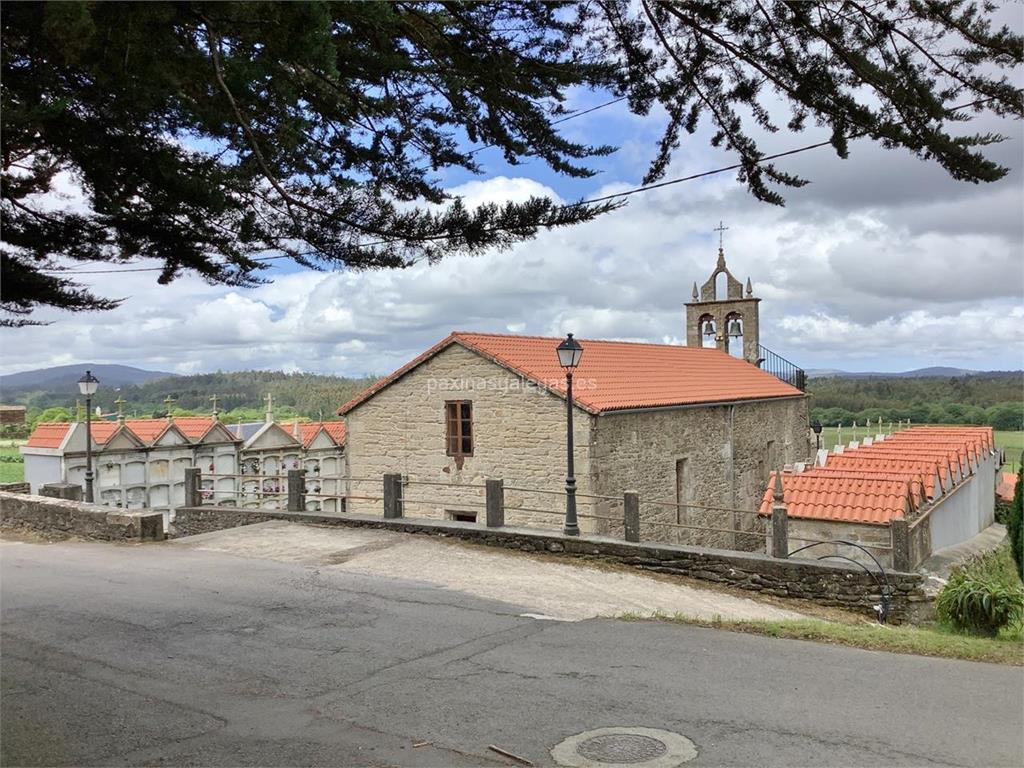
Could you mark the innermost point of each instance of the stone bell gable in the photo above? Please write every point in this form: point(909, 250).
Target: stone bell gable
point(726, 320)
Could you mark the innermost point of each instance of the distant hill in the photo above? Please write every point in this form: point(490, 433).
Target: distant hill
point(918, 373)
point(240, 394)
point(64, 378)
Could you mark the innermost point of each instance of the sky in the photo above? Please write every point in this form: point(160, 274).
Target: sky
point(882, 263)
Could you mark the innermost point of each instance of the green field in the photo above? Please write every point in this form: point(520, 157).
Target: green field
point(11, 472)
point(1011, 442)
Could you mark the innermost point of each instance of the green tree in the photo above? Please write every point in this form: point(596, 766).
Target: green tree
point(214, 136)
point(57, 413)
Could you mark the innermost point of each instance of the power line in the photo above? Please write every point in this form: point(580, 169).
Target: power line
point(624, 193)
point(589, 201)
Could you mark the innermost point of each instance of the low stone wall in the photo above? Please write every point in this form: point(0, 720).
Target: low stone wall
point(16, 487)
point(190, 521)
point(75, 518)
point(824, 583)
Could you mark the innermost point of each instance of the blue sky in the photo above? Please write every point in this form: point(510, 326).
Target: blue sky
point(882, 263)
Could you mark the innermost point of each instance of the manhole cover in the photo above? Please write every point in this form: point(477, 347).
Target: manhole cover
point(632, 747)
point(622, 748)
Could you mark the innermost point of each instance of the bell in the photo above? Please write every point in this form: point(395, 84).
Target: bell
point(735, 329)
point(709, 328)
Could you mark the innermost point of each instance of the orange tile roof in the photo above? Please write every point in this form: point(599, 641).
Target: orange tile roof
point(147, 430)
point(926, 467)
point(308, 430)
point(48, 435)
point(614, 375)
point(103, 430)
point(193, 427)
point(915, 478)
point(844, 499)
point(1007, 486)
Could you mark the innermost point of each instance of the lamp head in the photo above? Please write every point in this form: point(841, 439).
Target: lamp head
point(816, 427)
point(569, 353)
point(88, 384)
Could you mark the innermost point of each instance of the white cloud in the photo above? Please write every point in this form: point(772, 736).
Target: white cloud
point(934, 279)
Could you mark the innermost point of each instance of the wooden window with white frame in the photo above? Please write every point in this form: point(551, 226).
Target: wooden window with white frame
point(459, 427)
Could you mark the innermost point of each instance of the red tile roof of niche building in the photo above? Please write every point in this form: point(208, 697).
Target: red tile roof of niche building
point(51, 435)
point(842, 499)
point(147, 430)
point(915, 478)
point(1007, 486)
point(928, 468)
point(310, 429)
point(614, 375)
point(48, 435)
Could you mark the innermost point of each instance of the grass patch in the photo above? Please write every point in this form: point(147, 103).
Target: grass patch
point(1013, 444)
point(932, 640)
point(11, 472)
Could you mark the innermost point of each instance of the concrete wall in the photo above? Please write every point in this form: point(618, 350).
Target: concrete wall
point(75, 518)
point(519, 438)
point(803, 532)
point(966, 510)
point(41, 469)
point(726, 453)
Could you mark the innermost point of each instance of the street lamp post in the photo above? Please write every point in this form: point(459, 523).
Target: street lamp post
point(816, 429)
point(87, 385)
point(569, 355)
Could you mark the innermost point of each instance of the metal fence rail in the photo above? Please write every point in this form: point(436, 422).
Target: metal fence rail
point(404, 497)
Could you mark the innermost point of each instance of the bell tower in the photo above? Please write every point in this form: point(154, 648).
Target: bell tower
point(721, 316)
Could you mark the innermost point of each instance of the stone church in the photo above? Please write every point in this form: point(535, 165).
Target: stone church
point(695, 429)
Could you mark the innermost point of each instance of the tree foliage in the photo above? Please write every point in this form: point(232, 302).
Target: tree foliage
point(213, 137)
point(240, 396)
point(991, 399)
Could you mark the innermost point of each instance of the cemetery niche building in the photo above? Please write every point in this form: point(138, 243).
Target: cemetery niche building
point(141, 463)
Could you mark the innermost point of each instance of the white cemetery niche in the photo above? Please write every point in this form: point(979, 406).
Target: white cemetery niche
point(329, 466)
point(76, 474)
point(135, 473)
point(111, 497)
point(312, 467)
point(290, 461)
point(109, 474)
point(204, 461)
point(178, 469)
point(250, 489)
point(160, 496)
point(135, 498)
point(178, 495)
point(159, 471)
point(225, 463)
point(225, 489)
point(271, 465)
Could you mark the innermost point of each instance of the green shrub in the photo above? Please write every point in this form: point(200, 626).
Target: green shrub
point(1015, 522)
point(983, 595)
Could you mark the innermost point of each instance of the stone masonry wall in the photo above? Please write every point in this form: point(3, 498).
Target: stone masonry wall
point(57, 516)
point(519, 438)
point(727, 461)
point(828, 584)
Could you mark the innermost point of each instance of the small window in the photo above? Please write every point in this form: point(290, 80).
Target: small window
point(461, 517)
point(459, 432)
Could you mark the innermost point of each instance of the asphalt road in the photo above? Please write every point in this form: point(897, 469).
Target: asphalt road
point(165, 655)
